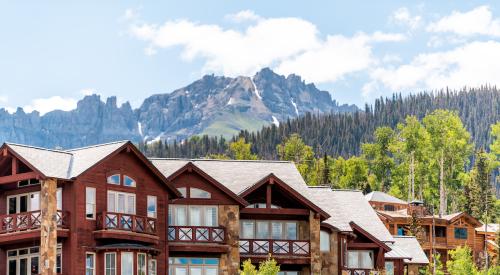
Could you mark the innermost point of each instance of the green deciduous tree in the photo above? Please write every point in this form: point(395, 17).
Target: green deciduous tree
point(379, 156)
point(461, 262)
point(294, 149)
point(241, 150)
point(267, 267)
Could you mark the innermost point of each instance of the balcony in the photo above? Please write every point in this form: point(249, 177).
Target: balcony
point(275, 247)
point(126, 222)
point(204, 234)
point(28, 221)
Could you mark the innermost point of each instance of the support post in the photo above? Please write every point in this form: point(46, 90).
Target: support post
point(48, 231)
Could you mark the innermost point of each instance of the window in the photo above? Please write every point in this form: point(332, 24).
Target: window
point(152, 206)
point(127, 263)
point(196, 193)
point(360, 259)
point(141, 264)
point(460, 233)
point(152, 267)
point(19, 261)
point(114, 179)
point(195, 215)
point(90, 203)
point(389, 268)
point(440, 231)
point(29, 182)
point(324, 241)
point(276, 230)
point(59, 198)
point(262, 205)
point(110, 263)
point(128, 181)
point(401, 230)
point(183, 191)
point(389, 207)
point(89, 264)
point(120, 202)
point(193, 266)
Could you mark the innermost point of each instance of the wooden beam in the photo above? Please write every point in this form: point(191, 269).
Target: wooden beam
point(268, 197)
point(14, 166)
point(363, 245)
point(276, 211)
point(18, 177)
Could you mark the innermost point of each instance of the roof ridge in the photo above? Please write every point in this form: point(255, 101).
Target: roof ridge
point(225, 160)
point(96, 145)
point(38, 148)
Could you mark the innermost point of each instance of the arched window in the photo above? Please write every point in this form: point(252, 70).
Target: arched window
point(114, 179)
point(128, 181)
point(196, 193)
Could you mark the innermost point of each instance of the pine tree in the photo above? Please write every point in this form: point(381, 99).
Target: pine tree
point(480, 194)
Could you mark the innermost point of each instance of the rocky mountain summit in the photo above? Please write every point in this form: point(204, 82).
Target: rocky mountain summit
point(213, 105)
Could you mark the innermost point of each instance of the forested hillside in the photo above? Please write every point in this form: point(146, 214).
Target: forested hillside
point(341, 134)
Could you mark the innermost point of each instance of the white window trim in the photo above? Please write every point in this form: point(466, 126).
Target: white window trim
point(203, 209)
point(105, 262)
point(202, 191)
point(155, 271)
point(155, 198)
point(134, 182)
point(121, 259)
point(145, 263)
point(322, 245)
point(112, 183)
point(94, 261)
point(127, 194)
point(359, 253)
point(94, 204)
point(270, 228)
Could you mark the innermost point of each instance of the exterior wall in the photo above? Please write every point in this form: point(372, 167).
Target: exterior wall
point(314, 225)
point(229, 218)
point(330, 260)
point(380, 205)
point(413, 269)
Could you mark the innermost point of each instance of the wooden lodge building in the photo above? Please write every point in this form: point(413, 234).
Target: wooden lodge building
point(107, 209)
point(450, 231)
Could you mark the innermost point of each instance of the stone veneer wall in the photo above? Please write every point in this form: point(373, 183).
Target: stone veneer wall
point(48, 232)
point(229, 217)
point(413, 269)
point(314, 225)
point(329, 260)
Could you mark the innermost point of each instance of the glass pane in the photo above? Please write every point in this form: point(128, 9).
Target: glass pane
point(111, 202)
point(199, 194)
point(211, 216)
point(195, 270)
point(196, 261)
point(23, 203)
point(23, 266)
point(127, 263)
point(141, 264)
point(152, 206)
point(352, 260)
point(35, 201)
point(128, 181)
point(277, 230)
point(12, 205)
point(195, 216)
point(263, 230)
point(58, 263)
point(248, 230)
point(152, 267)
point(59, 199)
point(90, 195)
point(291, 231)
point(34, 265)
point(183, 192)
point(324, 240)
point(12, 267)
point(389, 268)
point(180, 216)
point(180, 271)
point(211, 261)
point(120, 208)
point(367, 259)
point(211, 271)
point(131, 204)
point(114, 179)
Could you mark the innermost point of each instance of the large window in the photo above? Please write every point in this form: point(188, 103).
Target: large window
point(196, 193)
point(324, 241)
point(141, 264)
point(120, 202)
point(89, 263)
point(152, 206)
point(118, 179)
point(127, 265)
point(20, 261)
point(440, 231)
point(90, 203)
point(360, 259)
point(110, 263)
point(276, 230)
point(29, 202)
point(193, 215)
point(460, 233)
point(193, 266)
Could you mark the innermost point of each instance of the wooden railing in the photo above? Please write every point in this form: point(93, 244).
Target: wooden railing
point(357, 271)
point(196, 234)
point(275, 247)
point(28, 221)
point(126, 222)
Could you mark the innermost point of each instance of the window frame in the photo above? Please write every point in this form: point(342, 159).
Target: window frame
point(126, 202)
point(155, 212)
point(200, 191)
point(360, 259)
point(324, 247)
point(134, 182)
point(152, 270)
point(284, 229)
point(94, 204)
point(114, 183)
point(141, 254)
point(459, 236)
point(121, 259)
point(173, 219)
point(113, 269)
point(93, 254)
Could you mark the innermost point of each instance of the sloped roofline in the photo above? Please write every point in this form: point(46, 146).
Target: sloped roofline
point(190, 166)
point(302, 199)
point(19, 157)
point(365, 233)
point(474, 220)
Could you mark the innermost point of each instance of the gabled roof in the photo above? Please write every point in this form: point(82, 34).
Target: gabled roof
point(298, 196)
point(377, 196)
point(492, 228)
point(346, 206)
point(410, 246)
point(191, 167)
point(396, 252)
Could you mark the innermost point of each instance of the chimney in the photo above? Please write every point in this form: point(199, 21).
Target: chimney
point(418, 207)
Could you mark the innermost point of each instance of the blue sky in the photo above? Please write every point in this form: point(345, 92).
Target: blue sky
point(54, 52)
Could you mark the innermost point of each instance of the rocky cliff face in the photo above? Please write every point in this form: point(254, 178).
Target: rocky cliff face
point(213, 105)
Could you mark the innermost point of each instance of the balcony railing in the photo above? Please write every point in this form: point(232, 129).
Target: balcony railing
point(126, 222)
point(196, 234)
point(275, 247)
point(28, 221)
point(357, 271)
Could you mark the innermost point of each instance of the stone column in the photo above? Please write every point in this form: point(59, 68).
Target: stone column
point(48, 231)
point(413, 269)
point(329, 260)
point(229, 218)
point(314, 233)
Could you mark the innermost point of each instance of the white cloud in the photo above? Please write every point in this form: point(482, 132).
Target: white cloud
point(88, 91)
point(45, 105)
point(290, 45)
point(243, 16)
point(130, 14)
point(472, 64)
point(402, 16)
point(4, 99)
point(478, 21)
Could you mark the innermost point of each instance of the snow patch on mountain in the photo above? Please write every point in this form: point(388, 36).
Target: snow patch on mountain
point(257, 93)
point(295, 106)
point(276, 121)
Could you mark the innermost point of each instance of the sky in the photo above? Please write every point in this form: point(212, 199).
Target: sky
point(52, 53)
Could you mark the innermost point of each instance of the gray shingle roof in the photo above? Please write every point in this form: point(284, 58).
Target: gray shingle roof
point(64, 164)
point(411, 247)
point(396, 252)
point(383, 197)
point(492, 228)
point(345, 206)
